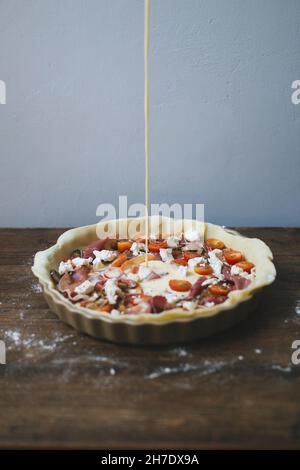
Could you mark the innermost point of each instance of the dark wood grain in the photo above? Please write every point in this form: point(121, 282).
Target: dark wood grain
point(61, 389)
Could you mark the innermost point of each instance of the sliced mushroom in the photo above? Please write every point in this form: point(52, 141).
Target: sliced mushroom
point(55, 276)
point(76, 254)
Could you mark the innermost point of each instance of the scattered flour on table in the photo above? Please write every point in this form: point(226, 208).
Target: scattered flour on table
point(17, 340)
point(180, 352)
point(205, 368)
point(14, 336)
point(96, 358)
point(257, 351)
point(279, 368)
point(30, 344)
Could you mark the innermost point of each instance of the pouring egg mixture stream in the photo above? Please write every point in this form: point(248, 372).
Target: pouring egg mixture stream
point(151, 276)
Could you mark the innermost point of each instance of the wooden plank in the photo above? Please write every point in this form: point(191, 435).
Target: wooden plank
point(65, 390)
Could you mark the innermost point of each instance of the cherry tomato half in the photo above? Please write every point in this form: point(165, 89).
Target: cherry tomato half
point(104, 308)
point(245, 265)
point(218, 290)
point(180, 285)
point(180, 261)
point(214, 244)
point(233, 257)
point(190, 255)
point(203, 270)
point(124, 245)
point(157, 245)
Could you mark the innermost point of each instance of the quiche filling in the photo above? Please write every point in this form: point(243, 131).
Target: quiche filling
point(112, 276)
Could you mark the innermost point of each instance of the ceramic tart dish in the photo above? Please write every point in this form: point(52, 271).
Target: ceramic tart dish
point(170, 326)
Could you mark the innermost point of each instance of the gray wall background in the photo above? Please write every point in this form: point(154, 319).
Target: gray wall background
point(223, 129)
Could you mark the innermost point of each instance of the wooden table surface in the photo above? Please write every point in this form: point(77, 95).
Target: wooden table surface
point(61, 389)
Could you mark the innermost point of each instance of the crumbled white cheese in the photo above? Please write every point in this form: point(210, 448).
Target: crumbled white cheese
point(111, 290)
point(65, 266)
point(216, 263)
point(191, 235)
point(171, 297)
point(81, 261)
point(134, 249)
point(115, 313)
point(253, 273)
point(137, 247)
point(235, 270)
point(85, 287)
point(172, 242)
point(209, 304)
point(174, 296)
point(246, 275)
point(166, 254)
point(94, 296)
point(132, 276)
point(182, 271)
point(134, 291)
point(210, 281)
point(104, 255)
point(189, 304)
point(194, 261)
point(143, 272)
point(152, 236)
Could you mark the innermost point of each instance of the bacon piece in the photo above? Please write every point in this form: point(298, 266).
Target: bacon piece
point(99, 286)
point(82, 297)
point(97, 245)
point(239, 282)
point(151, 276)
point(68, 282)
point(80, 274)
point(125, 282)
point(226, 272)
point(65, 283)
point(159, 303)
point(197, 288)
point(216, 299)
point(103, 244)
